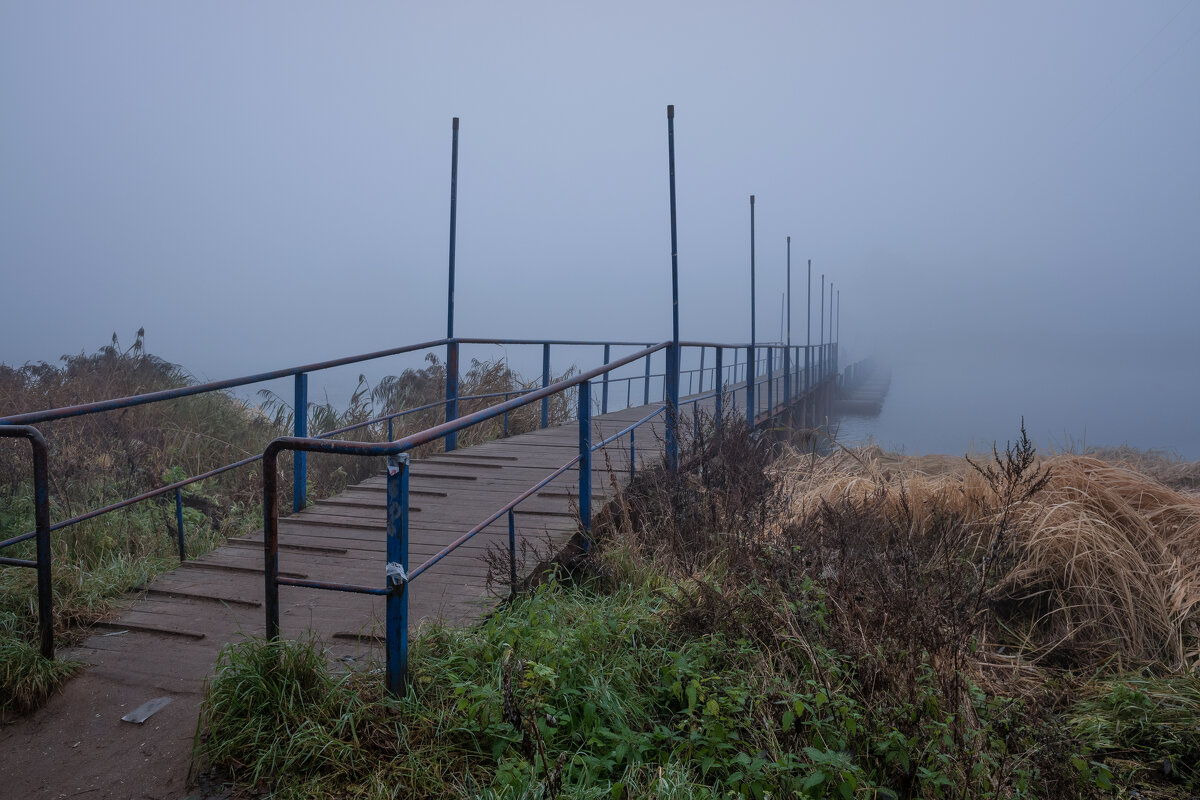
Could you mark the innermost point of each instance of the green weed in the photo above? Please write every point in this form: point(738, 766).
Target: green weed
point(1149, 723)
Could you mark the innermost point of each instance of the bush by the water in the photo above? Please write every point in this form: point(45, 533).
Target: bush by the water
point(852, 626)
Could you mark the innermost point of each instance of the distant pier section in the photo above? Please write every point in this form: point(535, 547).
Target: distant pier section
point(863, 388)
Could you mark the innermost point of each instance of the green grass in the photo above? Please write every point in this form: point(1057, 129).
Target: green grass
point(577, 693)
point(26, 678)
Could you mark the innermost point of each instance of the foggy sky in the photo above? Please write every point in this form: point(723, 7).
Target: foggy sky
point(1006, 194)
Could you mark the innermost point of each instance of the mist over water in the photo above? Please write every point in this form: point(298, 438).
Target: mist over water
point(958, 407)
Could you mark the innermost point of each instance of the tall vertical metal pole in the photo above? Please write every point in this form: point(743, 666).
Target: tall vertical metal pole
point(753, 352)
point(832, 345)
point(788, 358)
point(838, 335)
point(299, 457)
point(789, 291)
point(673, 355)
point(753, 326)
point(452, 346)
point(808, 334)
point(821, 367)
point(829, 341)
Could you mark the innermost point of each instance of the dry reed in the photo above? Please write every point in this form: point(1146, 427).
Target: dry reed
point(1102, 565)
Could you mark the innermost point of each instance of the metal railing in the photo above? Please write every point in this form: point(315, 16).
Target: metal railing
point(397, 572)
point(743, 375)
point(41, 513)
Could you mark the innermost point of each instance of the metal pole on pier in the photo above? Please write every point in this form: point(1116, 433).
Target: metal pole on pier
point(787, 350)
point(673, 354)
point(751, 407)
point(832, 344)
point(452, 346)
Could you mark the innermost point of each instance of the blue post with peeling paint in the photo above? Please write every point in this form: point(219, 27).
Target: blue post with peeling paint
point(672, 392)
point(604, 391)
point(397, 573)
point(719, 386)
point(632, 455)
point(770, 382)
point(179, 524)
point(512, 554)
point(545, 383)
point(750, 406)
point(646, 386)
point(585, 461)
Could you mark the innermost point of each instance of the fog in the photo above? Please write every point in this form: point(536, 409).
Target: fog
point(1007, 196)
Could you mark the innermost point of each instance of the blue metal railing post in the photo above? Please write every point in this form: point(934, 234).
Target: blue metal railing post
point(632, 455)
point(397, 573)
point(604, 390)
point(719, 386)
point(672, 391)
point(512, 554)
point(270, 544)
point(179, 524)
point(41, 516)
point(545, 383)
point(787, 376)
point(300, 430)
point(646, 388)
point(750, 407)
point(770, 382)
point(701, 389)
point(585, 460)
point(451, 393)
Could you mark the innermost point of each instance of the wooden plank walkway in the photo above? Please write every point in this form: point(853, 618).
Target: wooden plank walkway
point(216, 597)
point(167, 640)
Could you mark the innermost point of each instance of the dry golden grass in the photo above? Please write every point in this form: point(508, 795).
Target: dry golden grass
point(1102, 566)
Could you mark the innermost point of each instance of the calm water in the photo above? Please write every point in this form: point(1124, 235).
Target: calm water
point(934, 410)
